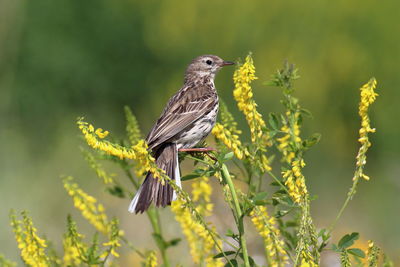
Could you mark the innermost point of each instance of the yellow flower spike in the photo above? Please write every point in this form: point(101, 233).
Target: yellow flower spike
point(274, 245)
point(200, 241)
point(139, 153)
point(367, 97)
point(243, 95)
point(87, 205)
point(31, 245)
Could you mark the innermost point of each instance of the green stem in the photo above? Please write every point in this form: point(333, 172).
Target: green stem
point(152, 214)
point(346, 202)
point(157, 235)
point(238, 214)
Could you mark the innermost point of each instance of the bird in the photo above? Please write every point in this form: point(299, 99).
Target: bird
point(187, 119)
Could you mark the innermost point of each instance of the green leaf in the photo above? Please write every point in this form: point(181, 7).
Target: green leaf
point(116, 191)
point(251, 261)
point(190, 176)
point(348, 240)
point(335, 248)
point(173, 242)
point(314, 139)
point(260, 196)
point(227, 253)
point(228, 156)
point(356, 252)
point(306, 112)
point(231, 263)
point(273, 121)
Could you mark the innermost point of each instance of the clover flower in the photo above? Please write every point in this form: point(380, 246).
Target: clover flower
point(151, 259)
point(274, 245)
point(229, 139)
point(88, 206)
point(200, 240)
point(243, 95)
point(31, 245)
point(368, 97)
point(138, 152)
point(295, 181)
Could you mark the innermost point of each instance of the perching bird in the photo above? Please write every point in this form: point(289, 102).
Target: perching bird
point(186, 120)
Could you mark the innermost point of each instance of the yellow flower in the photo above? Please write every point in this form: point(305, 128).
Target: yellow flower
point(99, 132)
point(31, 245)
point(71, 253)
point(243, 95)
point(200, 240)
point(151, 260)
point(274, 245)
point(87, 205)
point(230, 140)
point(291, 135)
point(114, 237)
point(295, 181)
point(368, 96)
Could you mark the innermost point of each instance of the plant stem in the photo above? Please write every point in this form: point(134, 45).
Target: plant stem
point(238, 213)
point(346, 202)
point(152, 213)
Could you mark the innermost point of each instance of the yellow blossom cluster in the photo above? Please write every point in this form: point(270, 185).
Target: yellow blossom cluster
point(274, 245)
point(114, 238)
point(295, 181)
point(200, 240)
point(289, 136)
point(139, 153)
point(368, 96)
point(71, 252)
point(31, 245)
point(229, 139)
point(243, 95)
point(151, 259)
point(307, 260)
point(201, 192)
point(87, 205)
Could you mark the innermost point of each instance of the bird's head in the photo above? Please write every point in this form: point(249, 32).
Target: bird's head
point(206, 66)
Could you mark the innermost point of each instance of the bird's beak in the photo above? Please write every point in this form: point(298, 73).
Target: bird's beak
point(227, 63)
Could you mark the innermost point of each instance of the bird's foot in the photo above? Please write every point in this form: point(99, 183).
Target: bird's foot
point(205, 150)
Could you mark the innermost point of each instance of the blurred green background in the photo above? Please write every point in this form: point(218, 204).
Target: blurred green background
point(67, 58)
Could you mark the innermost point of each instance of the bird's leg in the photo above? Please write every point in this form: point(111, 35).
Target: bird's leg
point(204, 150)
point(197, 149)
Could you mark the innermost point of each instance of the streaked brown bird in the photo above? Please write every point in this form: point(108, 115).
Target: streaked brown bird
point(186, 120)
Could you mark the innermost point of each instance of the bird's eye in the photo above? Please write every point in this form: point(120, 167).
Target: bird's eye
point(209, 62)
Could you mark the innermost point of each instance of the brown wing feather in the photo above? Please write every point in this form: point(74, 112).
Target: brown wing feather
point(188, 105)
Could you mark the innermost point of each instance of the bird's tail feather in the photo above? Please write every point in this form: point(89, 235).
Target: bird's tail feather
point(152, 190)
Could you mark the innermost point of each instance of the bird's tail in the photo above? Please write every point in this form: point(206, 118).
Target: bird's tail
point(152, 189)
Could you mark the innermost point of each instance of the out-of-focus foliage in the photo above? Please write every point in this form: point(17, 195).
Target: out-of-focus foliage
point(61, 59)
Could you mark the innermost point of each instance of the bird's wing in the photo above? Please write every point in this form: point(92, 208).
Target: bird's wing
point(184, 108)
